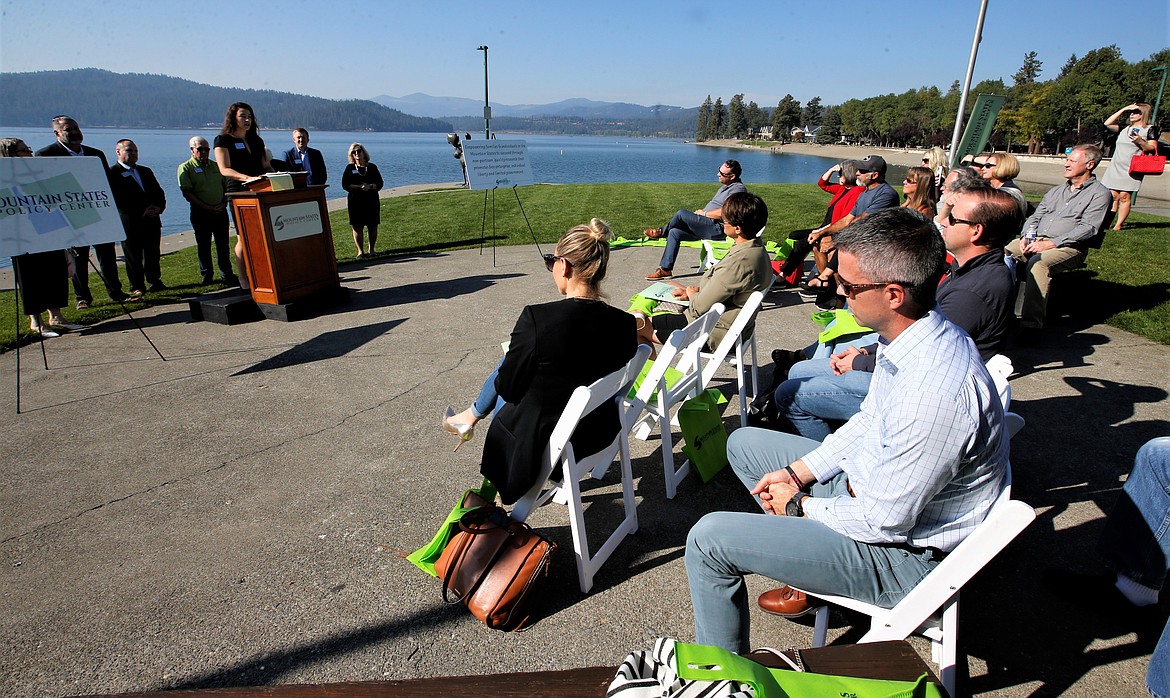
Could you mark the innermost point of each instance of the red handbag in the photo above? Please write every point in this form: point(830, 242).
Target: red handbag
point(1147, 164)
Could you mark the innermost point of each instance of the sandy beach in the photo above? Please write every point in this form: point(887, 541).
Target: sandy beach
point(1038, 173)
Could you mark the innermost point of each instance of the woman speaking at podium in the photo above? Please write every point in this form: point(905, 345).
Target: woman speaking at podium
point(240, 154)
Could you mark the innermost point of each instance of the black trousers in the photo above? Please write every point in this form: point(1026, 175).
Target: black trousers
point(209, 226)
point(107, 257)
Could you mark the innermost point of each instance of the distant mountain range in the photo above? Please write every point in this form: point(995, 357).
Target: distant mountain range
point(419, 104)
point(137, 100)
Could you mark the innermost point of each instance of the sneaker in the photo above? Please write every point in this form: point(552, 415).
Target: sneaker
point(82, 305)
point(659, 275)
point(827, 300)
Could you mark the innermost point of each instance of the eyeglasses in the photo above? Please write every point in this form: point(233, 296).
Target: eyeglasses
point(925, 161)
point(851, 290)
point(985, 165)
point(726, 174)
point(202, 149)
point(909, 180)
point(551, 259)
point(951, 220)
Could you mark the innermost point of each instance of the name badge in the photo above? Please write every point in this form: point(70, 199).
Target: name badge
point(239, 146)
point(199, 170)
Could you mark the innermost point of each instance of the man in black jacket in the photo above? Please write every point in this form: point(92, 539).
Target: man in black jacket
point(140, 202)
point(302, 158)
point(68, 144)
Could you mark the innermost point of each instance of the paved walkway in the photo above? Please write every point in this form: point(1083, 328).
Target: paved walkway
point(231, 515)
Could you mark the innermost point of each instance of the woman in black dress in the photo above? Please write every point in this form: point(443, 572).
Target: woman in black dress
point(240, 155)
point(554, 348)
point(43, 276)
point(363, 182)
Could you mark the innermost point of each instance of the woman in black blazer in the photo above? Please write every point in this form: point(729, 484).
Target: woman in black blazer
point(555, 348)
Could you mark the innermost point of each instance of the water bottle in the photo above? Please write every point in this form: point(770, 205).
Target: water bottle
point(1030, 233)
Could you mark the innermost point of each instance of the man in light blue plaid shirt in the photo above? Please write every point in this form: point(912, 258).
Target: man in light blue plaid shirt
point(870, 512)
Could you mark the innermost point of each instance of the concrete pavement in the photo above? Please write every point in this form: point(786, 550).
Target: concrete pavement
point(231, 516)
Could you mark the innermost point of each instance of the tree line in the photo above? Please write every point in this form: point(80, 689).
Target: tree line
point(134, 100)
point(1038, 116)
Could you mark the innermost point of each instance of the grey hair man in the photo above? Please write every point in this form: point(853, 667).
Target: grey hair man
point(1067, 222)
point(873, 509)
point(204, 187)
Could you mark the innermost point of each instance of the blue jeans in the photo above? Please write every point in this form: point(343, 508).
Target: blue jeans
point(688, 225)
point(813, 396)
point(824, 351)
point(488, 399)
point(723, 547)
point(1135, 541)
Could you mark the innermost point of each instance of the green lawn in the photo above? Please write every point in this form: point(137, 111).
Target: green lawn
point(1125, 285)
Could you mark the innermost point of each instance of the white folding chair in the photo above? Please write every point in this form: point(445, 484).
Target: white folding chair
point(660, 397)
point(1000, 367)
point(939, 590)
point(559, 456)
point(707, 258)
point(735, 339)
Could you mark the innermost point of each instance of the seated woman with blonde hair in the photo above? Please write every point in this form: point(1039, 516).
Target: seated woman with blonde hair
point(1001, 169)
point(555, 347)
point(745, 268)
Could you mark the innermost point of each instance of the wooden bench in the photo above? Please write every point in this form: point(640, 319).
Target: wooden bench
point(878, 660)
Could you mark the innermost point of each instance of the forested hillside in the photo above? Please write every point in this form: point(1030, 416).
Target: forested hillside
point(135, 100)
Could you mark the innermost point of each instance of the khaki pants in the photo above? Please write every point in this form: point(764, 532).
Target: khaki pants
point(1037, 274)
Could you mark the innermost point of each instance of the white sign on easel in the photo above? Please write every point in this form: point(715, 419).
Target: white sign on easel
point(493, 164)
point(54, 203)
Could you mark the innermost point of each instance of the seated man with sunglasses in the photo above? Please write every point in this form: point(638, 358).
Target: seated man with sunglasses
point(702, 224)
point(872, 510)
point(977, 294)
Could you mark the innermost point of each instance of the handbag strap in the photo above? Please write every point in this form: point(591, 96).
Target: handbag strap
point(472, 525)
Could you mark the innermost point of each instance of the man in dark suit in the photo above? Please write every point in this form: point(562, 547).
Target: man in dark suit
point(68, 144)
point(302, 158)
point(140, 202)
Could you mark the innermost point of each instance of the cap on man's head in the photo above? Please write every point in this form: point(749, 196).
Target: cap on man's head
point(872, 163)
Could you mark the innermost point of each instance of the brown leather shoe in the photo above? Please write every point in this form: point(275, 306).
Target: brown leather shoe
point(653, 233)
point(659, 274)
point(786, 602)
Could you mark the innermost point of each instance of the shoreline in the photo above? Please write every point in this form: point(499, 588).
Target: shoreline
point(1038, 173)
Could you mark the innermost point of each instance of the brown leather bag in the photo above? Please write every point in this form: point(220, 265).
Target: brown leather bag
point(493, 565)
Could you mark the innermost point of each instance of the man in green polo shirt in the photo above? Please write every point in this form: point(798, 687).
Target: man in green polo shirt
point(203, 186)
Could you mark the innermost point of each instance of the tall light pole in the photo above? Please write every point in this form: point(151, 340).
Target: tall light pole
point(967, 82)
point(1158, 103)
point(487, 107)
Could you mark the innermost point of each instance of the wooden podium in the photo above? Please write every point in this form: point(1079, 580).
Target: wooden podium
point(288, 245)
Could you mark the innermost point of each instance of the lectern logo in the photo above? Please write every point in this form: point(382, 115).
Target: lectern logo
point(281, 221)
point(290, 221)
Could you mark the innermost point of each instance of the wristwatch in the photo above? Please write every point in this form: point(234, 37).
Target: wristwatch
point(795, 506)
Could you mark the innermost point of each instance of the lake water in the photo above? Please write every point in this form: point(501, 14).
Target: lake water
point(426, 158)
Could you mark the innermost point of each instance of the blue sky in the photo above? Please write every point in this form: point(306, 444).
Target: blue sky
point(674, 52)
